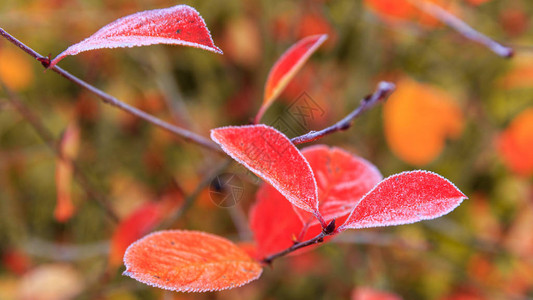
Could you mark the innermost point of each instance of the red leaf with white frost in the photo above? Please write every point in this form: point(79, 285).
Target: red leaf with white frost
point(404, 198)
point(342, 180)
point(178, 25)
point(287, 66)
point(271, 155)
point(275, 224)
point(189, 261)
point(135, 226)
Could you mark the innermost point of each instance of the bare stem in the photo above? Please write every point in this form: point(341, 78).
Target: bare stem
point(49, 140)
point(316, 240)
point(106, 98)
point(463, 28)
point(326, 231)
point(383, 90)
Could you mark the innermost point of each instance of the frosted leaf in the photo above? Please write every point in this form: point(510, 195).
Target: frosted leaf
point(178, 25)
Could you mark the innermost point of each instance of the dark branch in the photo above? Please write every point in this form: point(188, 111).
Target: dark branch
point(463, 28)
point(326, 231)
point(316, 240)
point(185, 134)
point(383, 90)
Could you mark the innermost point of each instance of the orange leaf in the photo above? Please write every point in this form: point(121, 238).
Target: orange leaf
point(189, 261)
point(68, 148)
point(418, 119)
point(286, 67)
point(515, 144)
point(401, 9)
point(135, 226)
point(405, 10)
point(271, 155)
point(519, 77)
point(15, 70)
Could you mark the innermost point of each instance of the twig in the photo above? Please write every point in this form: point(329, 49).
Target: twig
point(383, 90)
point(463, 28)
point(49, 140)
point(326, 231)
point(106, 98)
point(316, 240)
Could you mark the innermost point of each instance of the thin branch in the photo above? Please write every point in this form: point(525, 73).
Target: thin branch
point(316, 240)
point(326, 231)
point(383, 91)
point(49, 140)
point(463, 28)
point(106, 98)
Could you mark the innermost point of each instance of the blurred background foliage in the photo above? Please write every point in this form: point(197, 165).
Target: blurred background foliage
point(459, 110)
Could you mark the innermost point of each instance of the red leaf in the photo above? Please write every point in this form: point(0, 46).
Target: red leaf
point(405, 198)
point(274, 223)
point(342, 180)
point(68, 147)
point(286, 67)
point(271, 155)
point(135, 226)
point(178, 25)
point(515, 144)
point(189, 261)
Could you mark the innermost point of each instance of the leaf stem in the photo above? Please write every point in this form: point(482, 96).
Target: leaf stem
point(326, 231)
point(461, 27)
point(108, 99)
point(316, 240)
point(384, 89)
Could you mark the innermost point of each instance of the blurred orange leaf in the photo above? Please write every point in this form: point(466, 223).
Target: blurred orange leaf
point(515, 144)
point(242, 41)
point(418, 119)
point(521, 76)
point(189, 261)
point(15, 70)
point(405, 10)
point(68, 147)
